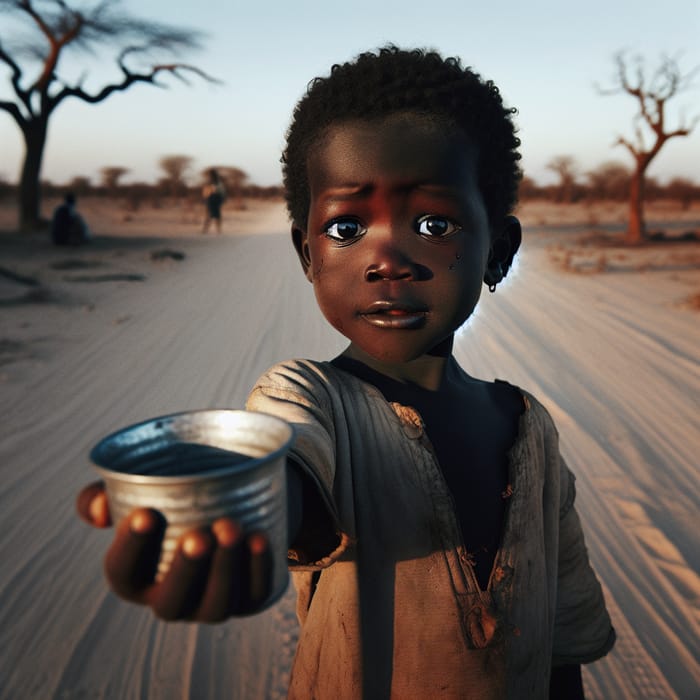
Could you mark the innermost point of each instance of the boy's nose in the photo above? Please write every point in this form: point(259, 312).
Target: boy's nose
point(390, 262)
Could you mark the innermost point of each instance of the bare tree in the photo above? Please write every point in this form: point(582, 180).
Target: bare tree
point(56, 27)
point(110, 176)
point(175, 168)
point(565, 167)
point(652, 92)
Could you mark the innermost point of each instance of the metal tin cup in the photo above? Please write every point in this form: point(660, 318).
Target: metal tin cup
point(197, 466)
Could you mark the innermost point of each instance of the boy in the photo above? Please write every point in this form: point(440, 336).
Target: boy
point(434, 546)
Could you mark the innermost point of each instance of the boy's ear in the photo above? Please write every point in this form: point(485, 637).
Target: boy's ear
point(301, 245)
point(504, 246)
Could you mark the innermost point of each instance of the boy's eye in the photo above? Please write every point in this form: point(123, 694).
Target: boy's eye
point(432, 226)
point(344, 230)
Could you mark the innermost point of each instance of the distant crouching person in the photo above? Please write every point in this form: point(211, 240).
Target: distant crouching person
point(67, 226)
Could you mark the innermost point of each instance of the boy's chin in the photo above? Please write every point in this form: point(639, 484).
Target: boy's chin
point(397, 353)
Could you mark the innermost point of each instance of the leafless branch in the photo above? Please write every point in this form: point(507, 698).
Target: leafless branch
point(130, 78)
point(16, 82)
point(680, 132)
point(14, 67)
point(622, 141)
point(105, 23)
point(27, 7)
point(14, 111)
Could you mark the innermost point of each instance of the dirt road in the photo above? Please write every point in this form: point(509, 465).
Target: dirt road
point(612, 357)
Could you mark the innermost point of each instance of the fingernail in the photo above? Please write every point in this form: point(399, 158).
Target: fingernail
point(227, 532)
point(194, 546)
point(141, 522)
point(97, 510)
point(257, 543)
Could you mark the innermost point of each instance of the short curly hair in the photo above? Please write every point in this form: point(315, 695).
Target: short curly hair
point(392, 80)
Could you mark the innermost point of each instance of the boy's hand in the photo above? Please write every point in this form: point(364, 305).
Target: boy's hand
point(216, 573)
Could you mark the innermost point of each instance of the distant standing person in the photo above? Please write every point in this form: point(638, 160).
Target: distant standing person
point(214, 195)
point(67, 226)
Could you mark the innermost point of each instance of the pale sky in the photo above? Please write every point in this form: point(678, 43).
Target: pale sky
point(546, 56)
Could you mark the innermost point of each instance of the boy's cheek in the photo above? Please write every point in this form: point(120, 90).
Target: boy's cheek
point(330, 311)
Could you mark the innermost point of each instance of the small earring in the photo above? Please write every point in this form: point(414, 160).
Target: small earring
point(494, 276)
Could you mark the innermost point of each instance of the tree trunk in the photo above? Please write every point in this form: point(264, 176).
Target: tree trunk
point(635, 225)
point(29, 189)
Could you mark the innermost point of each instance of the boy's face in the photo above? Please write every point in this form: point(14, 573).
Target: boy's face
point(397, 239)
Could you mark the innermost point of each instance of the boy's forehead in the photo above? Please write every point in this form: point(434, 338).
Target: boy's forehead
point(405, 146)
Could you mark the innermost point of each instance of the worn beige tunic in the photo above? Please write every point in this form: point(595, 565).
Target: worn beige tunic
point(395, 611)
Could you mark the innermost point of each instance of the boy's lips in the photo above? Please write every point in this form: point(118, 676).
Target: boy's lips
point(395, 314)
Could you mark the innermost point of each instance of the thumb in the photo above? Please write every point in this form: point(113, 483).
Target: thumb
point(92, 505)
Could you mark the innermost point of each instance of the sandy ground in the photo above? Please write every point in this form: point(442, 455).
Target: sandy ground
point(92, 339)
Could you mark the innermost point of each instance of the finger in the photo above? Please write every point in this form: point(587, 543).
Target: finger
point(180, 593)
point(259, 566)
point(222, 597)
point(132, 560)
point(92, 505)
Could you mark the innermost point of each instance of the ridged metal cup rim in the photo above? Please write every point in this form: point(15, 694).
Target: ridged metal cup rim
point(98, 456)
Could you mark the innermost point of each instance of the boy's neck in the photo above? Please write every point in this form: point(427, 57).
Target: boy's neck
point(427, 371)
